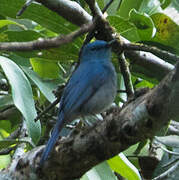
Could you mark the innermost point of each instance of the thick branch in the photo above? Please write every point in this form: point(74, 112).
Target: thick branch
point(148, 65)
point(140, 119)
point(70, 10)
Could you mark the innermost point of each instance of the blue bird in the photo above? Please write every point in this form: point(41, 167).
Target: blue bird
point(90, 90)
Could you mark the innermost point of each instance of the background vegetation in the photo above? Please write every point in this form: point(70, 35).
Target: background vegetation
point(28, 79)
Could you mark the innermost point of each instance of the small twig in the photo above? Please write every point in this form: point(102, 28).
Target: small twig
point(28, 3)
point(126, 75)
point(48, 108)
point(107, 6)
point(154, 50)
point(57, 94)
point(167, 172)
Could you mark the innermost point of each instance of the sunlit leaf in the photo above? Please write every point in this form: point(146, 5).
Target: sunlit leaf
point(126, 6)
point(45, 68)
point(8, 22)
point(124, 167)
point(167, 31)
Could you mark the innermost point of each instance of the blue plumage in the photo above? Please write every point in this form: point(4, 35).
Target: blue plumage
point(90, 90)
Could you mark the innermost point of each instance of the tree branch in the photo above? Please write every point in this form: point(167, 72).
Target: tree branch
point(154, 50)
point(70, 10)
point(148, 65)
point(126, 75)
point(45, 43)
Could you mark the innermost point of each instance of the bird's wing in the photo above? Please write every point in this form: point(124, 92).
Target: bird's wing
point(85, 81)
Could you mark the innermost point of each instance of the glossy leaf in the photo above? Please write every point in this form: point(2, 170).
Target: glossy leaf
point(167, 31)
point(44, 68)
point(126, 7)
point(22, 96)
point(124, 167)
point(124, 27)
point(143, 23)
point(4, 23)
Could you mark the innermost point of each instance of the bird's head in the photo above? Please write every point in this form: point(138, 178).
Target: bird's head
point(100, 50)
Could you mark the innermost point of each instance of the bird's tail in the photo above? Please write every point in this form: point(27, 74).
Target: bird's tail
point(55, 134)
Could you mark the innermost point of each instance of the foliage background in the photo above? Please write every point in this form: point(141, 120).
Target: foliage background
point(27, 79)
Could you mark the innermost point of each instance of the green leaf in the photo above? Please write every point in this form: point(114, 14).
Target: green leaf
point(140, 146)
point(45, 86)
point(127, 5)
point(21, 61)
point(144, 24)
point(22, 96)
point(101, 172)
point(45, 68)
point(4, 23)
point(122, 165)
point(144, 83)
point(167, 31)
point(4, 161)
point(124, 27)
